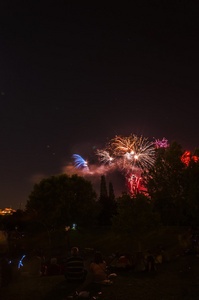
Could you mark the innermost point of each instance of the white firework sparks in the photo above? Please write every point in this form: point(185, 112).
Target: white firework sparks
point(104, 156)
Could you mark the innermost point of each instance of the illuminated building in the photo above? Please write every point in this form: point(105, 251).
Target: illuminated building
point(7, 211)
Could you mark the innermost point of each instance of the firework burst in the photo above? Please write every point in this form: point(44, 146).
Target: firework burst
point(131, 155)
point(79, 162)
point(161, 143)
point(144, 153)
point(122, 145)
point(132, 152)
point(104, 156)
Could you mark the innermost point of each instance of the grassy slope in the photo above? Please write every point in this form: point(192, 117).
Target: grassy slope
point(109, 242)
point(175, 280)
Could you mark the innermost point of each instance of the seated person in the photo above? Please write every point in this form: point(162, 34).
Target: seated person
point(121, 262)
point(98, 268)
point(75, 271)
point(54, 268)
point(96, 277)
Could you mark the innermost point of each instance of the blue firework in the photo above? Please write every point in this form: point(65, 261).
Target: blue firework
point(80, 163)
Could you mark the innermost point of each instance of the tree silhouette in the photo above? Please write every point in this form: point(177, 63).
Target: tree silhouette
point(107, 202)
point(63, 200)
point(135, 216)
point(191, 195)
point(165, 184)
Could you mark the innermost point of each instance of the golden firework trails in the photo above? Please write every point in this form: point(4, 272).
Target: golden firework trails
point(129, 152)
point(122, 145)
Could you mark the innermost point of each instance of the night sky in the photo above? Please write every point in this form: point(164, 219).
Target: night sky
point(73, 74)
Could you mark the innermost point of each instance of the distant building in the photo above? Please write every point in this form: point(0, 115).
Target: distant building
point(7, 211)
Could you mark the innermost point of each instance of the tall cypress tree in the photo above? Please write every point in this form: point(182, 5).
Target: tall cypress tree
point(103, 200)
point(112, 202)
point(111, 192)
point(103, 188)
point(107, 202)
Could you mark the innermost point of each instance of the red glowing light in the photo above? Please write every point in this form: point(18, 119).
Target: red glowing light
point(195, 158)
point(186, 158)
point(135, 183)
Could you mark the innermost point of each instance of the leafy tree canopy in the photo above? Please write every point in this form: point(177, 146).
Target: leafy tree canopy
point(173, 187)
point(63, 200)
point(191, 194)
point(135, 215)
point(165, 182)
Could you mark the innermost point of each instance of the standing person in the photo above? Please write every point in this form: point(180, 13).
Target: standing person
point(75, 271)
point(150, 262)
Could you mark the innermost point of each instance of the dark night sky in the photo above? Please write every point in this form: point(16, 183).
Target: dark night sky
point(74, 74)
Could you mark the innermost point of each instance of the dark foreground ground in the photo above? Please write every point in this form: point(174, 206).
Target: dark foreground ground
point(178, 279)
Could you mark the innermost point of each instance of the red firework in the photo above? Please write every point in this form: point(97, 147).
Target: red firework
point(187, 157)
